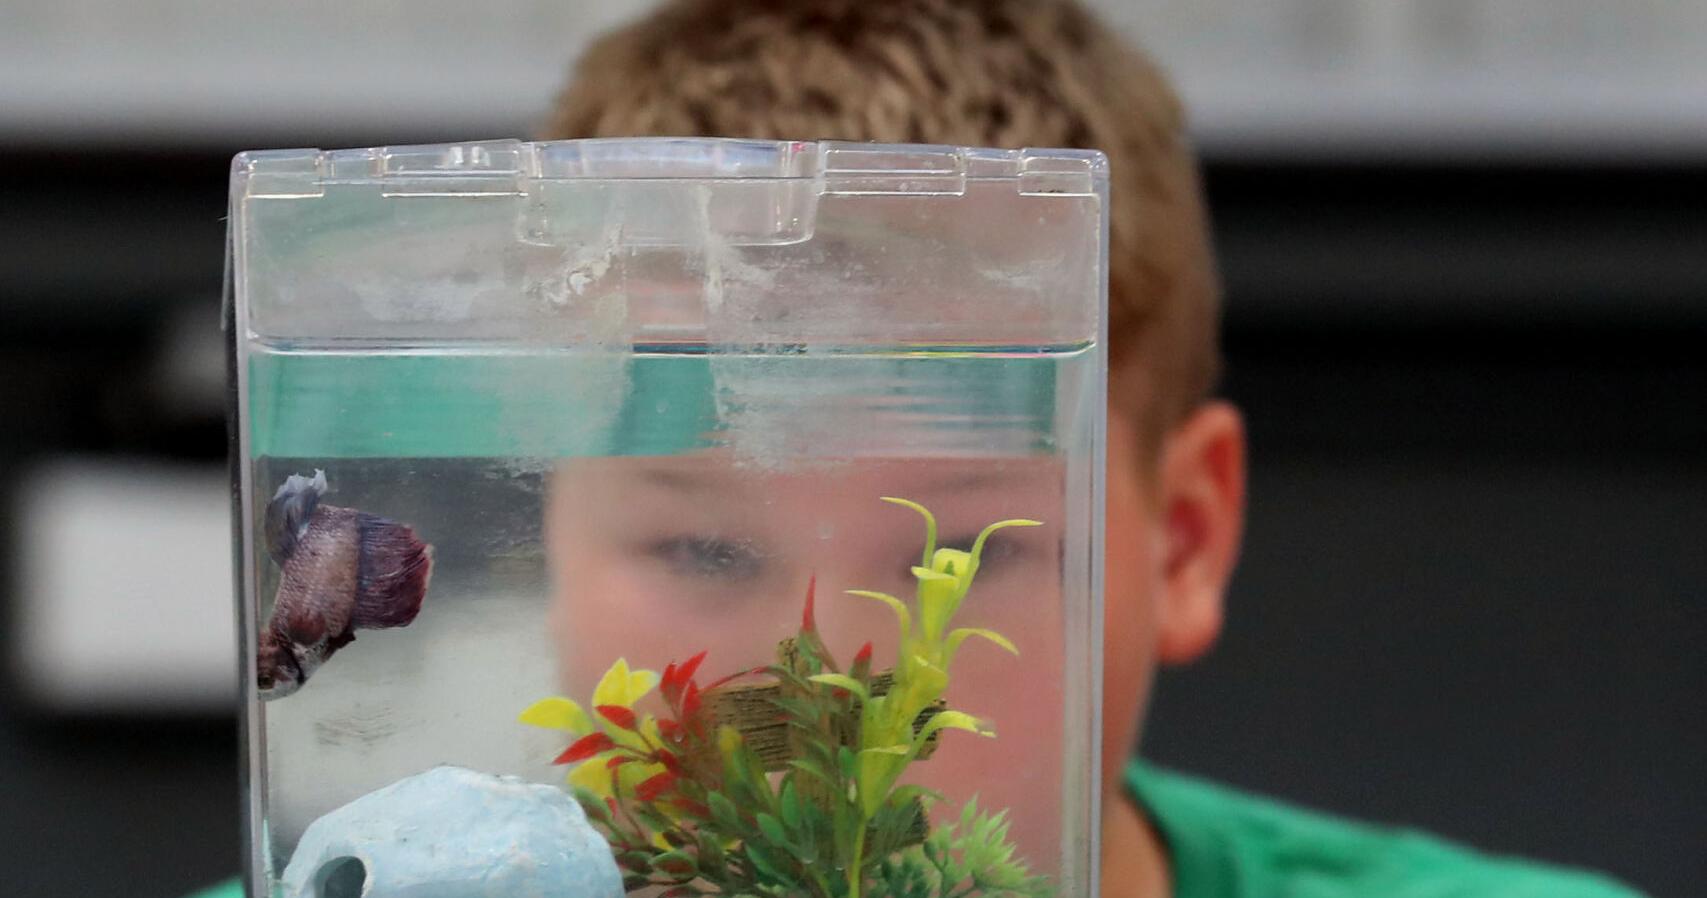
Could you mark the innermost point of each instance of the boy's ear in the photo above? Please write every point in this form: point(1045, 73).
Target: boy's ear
point(1203, 506)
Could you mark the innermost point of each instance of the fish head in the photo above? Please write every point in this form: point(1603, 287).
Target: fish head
point(278, 673)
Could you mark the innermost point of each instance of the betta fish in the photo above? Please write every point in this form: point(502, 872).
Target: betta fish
point(340, 570)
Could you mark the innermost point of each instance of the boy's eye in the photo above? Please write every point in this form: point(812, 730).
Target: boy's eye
point(1000, 552)
point(709, 557)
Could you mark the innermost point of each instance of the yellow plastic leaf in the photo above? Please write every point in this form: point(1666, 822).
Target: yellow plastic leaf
point(928, 575)
point(613, 686)
point(930, 524)
point(954, 720)
point(728, 740)
point(900, 608)
point(632, 774)
point(939, 595)
point(630, 738)
point(592, 775)
point(924, 680)
point(978, 544)
point(557, 713)
point(952, 643)
point(640, 682)
point(952, 562)
point(620, 686)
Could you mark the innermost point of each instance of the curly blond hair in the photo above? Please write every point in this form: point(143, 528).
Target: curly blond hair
point(998, 73)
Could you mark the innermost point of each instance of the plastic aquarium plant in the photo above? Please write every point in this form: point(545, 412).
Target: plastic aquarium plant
point(786, 779)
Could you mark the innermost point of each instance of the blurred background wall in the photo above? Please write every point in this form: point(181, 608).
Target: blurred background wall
point(1465, 249)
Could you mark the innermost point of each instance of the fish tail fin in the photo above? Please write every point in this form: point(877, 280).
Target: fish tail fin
point(289, 511)
point(392, 575)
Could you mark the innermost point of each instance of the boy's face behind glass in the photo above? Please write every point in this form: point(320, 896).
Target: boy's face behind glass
point(656, 559)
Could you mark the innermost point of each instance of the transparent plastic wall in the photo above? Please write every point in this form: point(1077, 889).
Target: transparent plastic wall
point(711, 517)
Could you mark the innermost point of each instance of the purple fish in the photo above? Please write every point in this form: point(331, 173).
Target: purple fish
point(340, 570)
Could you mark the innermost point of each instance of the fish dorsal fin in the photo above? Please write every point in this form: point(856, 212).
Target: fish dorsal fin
point(289, 512)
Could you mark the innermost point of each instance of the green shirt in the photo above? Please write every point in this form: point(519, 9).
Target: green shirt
point(1225, 844)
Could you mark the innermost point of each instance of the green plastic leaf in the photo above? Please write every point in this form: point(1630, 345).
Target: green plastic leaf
point(843, 681)
point(798, 709)
point(813, 769)
point(977, 849)
point(935, 846)
point(649, 815)
point(969, 814)
point(591, 803)
point(711, 859)
point(913, 792)
point(675, 863)
point(769, 865)
point(788, 801)
point(724, 813)
point(773, 830)
point(742, 772)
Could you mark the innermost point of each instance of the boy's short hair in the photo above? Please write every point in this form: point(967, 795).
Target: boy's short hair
point(1000, 73)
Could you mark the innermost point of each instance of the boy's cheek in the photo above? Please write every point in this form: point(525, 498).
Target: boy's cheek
point(1130, 592)
point(1128, 658)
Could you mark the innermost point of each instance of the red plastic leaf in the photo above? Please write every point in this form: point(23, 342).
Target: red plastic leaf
point(670, 762)
point(617, 761)
point(864, 655)
point(750, 672)
point(690, 667)
point(649, 789)
point(585, 747)
point(695, 808)
point(671, 731)
point(667, 684)
point(807, 624)
point(690, 701)
point(617, 714)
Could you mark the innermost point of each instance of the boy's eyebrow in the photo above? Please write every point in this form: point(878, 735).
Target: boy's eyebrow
point(681, 481)
point(1002, 475)
point(969, 480)
point(694, 481)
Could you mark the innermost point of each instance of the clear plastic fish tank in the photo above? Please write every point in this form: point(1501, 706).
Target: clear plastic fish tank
point(669, 517)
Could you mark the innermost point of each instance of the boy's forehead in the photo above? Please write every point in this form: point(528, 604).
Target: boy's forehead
point(709, 474)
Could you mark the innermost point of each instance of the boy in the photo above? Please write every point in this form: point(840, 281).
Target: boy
point(1013, 73)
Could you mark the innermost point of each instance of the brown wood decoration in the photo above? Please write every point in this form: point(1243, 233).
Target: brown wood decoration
point(751, 709)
